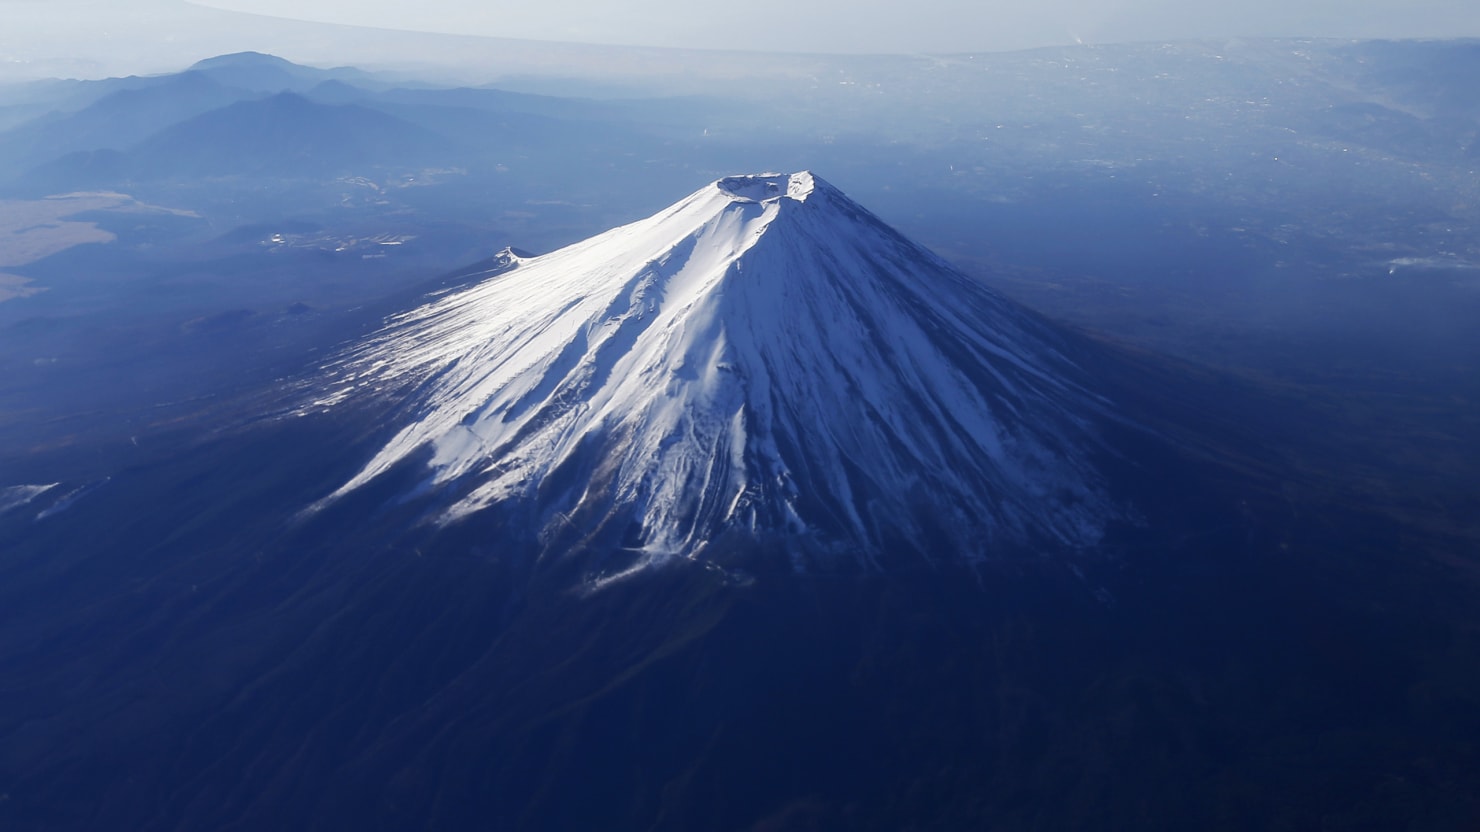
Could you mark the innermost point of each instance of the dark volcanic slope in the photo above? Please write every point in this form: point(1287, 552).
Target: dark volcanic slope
point(182, 647)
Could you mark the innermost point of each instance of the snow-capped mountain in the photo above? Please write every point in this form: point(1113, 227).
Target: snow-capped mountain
point(764, 358)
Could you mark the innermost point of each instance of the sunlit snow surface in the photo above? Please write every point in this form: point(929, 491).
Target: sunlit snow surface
point(19, 495)
point(764, 356)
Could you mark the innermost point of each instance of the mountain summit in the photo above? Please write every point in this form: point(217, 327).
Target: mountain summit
point(763, 360)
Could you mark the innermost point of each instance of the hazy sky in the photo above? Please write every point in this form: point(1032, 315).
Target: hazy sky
point(93, 38)
point(888, 25)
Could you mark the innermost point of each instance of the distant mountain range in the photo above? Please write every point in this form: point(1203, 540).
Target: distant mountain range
point(269, 74)
point(116, 121)
point(281, 136)
point(260, 116)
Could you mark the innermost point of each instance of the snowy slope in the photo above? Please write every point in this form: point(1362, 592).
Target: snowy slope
point(764, 357)
point(19, 495)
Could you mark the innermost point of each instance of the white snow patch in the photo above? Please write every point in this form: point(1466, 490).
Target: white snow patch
point(70, 499)
point(16, 496)
point(765, 356)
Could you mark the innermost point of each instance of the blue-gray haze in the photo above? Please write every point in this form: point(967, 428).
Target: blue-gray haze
point(91, 38)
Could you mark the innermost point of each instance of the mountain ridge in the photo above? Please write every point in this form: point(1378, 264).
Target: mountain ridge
point(763, 357)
